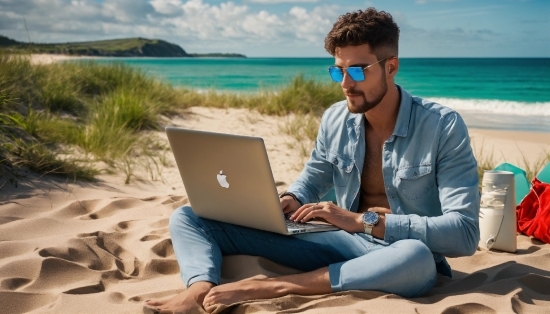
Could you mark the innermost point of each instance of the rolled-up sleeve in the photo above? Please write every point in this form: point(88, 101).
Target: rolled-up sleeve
point(315, 180)
point(455, 232)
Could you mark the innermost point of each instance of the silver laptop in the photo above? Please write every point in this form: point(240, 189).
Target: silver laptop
point(228, 178)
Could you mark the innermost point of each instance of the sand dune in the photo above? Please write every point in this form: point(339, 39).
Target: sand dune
point(105, 247)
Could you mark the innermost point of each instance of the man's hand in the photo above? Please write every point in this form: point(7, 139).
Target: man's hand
point(327, 211)
point(289, 204)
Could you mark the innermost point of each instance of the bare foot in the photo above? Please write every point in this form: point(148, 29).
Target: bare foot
point(242, 291)
point(188, 301)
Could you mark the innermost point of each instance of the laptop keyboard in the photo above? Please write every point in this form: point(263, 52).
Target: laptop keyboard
point(297, 225)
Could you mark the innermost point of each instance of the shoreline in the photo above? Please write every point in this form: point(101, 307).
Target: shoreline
point(536, 119)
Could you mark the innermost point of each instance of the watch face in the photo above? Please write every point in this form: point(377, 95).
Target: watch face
point(370, 218)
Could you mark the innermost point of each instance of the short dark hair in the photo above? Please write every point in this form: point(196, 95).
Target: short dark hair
point(372, 27)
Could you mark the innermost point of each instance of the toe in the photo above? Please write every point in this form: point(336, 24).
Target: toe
point(153, 302)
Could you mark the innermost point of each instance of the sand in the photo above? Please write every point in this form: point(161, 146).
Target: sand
point(104, 247)
point(52, 58)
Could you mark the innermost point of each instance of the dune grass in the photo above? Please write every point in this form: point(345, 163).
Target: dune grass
point(80, 119)
point(66, 118)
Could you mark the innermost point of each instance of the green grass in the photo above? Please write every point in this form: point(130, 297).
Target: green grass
point(302, 128)
point(66, 118)
point(74, 118)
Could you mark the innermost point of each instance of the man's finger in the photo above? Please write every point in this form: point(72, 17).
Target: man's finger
point(312, 212)
point(209, 308)
point(302, 212)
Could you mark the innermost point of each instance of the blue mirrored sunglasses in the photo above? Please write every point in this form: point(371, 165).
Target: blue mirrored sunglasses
point(356, 73)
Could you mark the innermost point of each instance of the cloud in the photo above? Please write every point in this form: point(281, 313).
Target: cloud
point(237, 26)
point(196, 25)
point(167, 7)
point(311, 26)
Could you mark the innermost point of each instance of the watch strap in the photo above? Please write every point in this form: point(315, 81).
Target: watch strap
point(368, 229)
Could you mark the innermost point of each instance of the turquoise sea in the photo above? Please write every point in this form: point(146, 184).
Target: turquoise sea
point(499, 93)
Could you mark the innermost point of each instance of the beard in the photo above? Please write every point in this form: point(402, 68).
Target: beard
point(362, 105)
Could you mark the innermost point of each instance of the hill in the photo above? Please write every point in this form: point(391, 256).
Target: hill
point(126, 47)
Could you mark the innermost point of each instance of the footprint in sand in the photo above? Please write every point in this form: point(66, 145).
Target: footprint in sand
point(469, 308)
point(165, 200)
point(161, 266)
point(97, 208)
point(156, 234)
point(125, 225)
point(163, 248)
point(150, 237)
point(14, 283)
point(85, 252)
point(59, 275)
point(109, 207)
point(176, 200)
point(89, 289)
point(107, 243)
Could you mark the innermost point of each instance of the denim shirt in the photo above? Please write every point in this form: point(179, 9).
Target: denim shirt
point(430, 174)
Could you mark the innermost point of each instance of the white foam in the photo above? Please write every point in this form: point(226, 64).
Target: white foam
point(496, 106)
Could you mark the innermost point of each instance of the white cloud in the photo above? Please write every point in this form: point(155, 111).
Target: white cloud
point(310, 26)
point(228, 20)
point(167, 7)
point(196, 25)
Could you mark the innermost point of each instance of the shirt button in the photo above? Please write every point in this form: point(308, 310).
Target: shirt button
point(392, 196)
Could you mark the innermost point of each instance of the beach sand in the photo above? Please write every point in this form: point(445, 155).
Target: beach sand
point(104, 247)
point(52, 58)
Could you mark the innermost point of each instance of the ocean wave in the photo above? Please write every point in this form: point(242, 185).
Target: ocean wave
point(515, 108)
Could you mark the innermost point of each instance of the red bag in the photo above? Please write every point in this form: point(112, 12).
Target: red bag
point(533, 213)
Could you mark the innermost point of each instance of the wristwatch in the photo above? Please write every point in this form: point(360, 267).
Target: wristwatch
point(370, 219)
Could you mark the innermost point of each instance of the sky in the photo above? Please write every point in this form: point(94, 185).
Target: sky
point(285, 28)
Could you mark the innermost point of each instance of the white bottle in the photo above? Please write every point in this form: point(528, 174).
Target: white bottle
point(497, 216)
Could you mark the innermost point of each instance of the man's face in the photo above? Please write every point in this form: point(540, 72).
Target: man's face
point(367, 94)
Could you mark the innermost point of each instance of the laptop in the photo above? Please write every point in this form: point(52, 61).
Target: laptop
point(228, 178)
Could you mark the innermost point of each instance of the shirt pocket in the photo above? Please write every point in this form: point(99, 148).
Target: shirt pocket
point(415, 182)
point(341, 169)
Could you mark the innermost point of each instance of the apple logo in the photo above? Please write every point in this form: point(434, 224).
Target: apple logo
point(222, 180)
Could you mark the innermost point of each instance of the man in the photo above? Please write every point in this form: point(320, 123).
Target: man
point(406, 185)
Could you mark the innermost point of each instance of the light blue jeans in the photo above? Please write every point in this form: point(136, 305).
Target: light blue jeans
point(355, 261)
